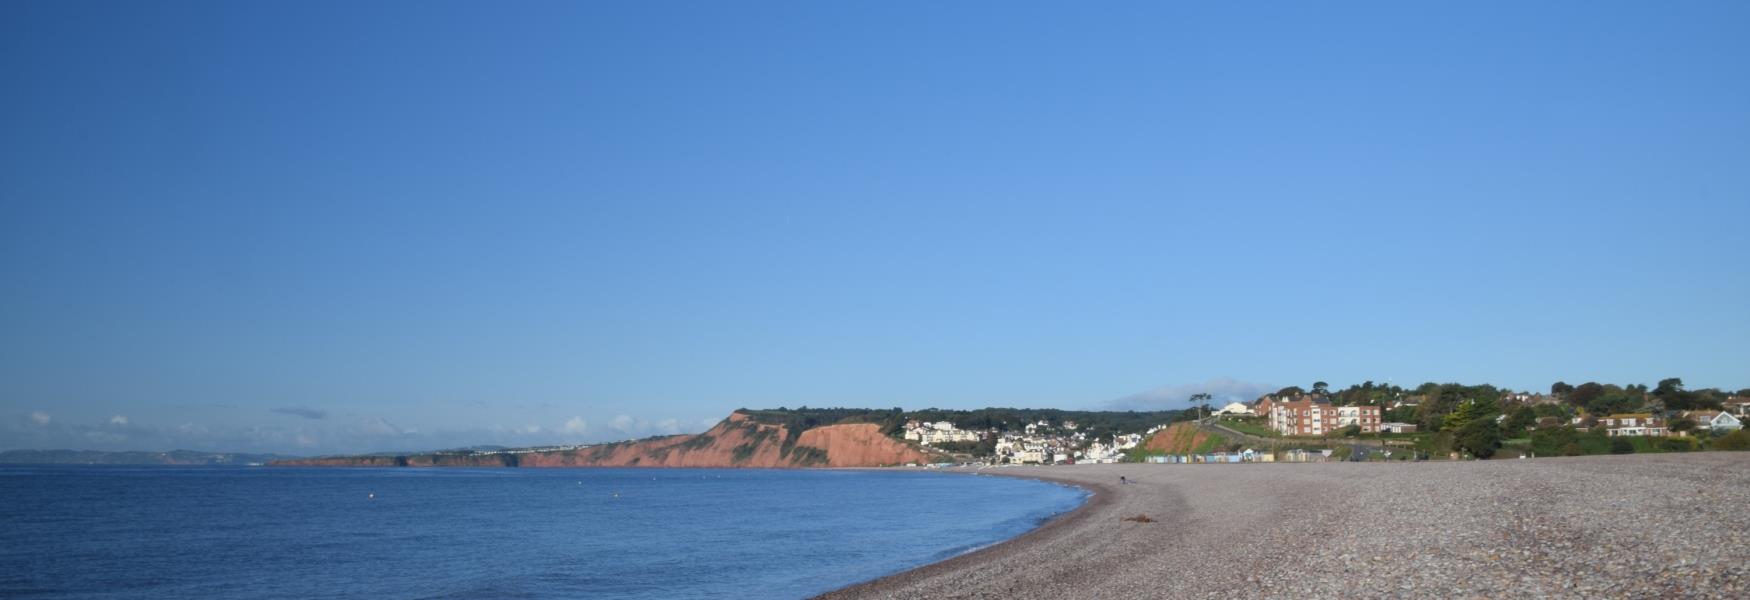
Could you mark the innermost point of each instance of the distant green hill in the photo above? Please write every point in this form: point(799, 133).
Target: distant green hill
point(95, 457)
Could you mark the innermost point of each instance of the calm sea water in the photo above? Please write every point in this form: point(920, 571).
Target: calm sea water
point(234, 532)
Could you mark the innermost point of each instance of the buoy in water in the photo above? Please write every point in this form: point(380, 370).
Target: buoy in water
point(370, 496)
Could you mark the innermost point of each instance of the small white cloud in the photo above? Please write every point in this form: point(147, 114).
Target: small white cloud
point(669, 426)
point(532, 429)
point(39, 417)
point(378, 426)
point(302, 411)
point(121, 420)
point(1172, 397)
point(624, 424)
point(576, 425)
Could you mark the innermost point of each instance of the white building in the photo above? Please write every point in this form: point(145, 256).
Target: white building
point(1635, 424)
point(1032, 453)
point(1235, 408)
point(938, 433)
point(1725, 422)
point(1713, 420)
point(1367, 417)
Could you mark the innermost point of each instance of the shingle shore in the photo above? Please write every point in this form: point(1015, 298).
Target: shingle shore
point(1641, 526)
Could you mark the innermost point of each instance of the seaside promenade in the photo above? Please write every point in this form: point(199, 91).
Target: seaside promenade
point(1640, 526)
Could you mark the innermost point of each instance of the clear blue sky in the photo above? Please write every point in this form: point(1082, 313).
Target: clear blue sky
point(335, 226)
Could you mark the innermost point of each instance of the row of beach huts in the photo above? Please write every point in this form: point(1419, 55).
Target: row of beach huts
point(1244, 456)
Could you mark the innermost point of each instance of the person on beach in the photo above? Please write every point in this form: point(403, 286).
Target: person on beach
point(1123, 481)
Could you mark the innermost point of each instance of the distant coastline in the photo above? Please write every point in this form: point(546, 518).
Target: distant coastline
point(173, 457)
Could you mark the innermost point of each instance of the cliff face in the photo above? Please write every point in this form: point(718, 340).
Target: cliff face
point(735, 442)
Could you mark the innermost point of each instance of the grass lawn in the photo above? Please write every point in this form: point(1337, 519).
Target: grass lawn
point(1250, 427)
point(1209, 444)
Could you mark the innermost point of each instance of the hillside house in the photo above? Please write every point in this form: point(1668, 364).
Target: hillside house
point(938, 433)
point(1263, 405)
point(1632, 424)
point(1714, 421)
point(1308, 415)
point(1235, 408)
point(1739, 406)
point(1367, 417)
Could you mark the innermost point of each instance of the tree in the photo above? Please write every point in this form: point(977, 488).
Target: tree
point(1585, 393)
point(1670, 393)
point(1476, 409)
point(1684, 424)
point(1737, 440)
point(1321, 388)
point(1290, 392)
point(1560, 387)
point(1479, 437)
point(1621, 446)
point(1517, 422)
point(1613, 401)
point(1555, 441)
point(1553, 410)
point(1401, 414)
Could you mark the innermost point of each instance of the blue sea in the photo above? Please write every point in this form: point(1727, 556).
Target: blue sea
point(240, 532)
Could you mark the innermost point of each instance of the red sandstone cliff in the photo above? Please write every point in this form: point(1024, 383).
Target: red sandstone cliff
point(737, 441)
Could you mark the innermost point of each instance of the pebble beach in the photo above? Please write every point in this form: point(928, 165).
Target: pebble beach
point(1639, 526)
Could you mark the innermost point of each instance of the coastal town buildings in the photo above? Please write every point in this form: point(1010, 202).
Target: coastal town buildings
point(1738, 406)
point(1714, 421)
point(1626, 424)
point(1235, 408)
point(1315, 415)
point(939, 432)
point(1263, 406)
point(1308, 415)
point(1043, 443)
point(1366, 417)
point(1397, 427)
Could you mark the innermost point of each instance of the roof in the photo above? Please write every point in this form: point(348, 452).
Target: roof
point(1630, 416)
